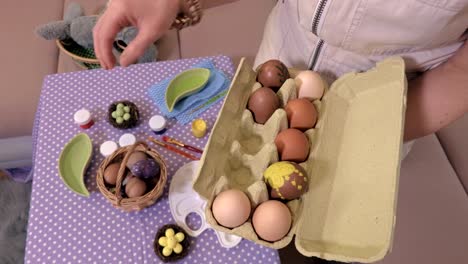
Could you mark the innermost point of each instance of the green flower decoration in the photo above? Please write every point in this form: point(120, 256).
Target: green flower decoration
point(171, 242)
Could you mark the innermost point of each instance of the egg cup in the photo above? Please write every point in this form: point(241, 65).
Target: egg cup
point(158, 249)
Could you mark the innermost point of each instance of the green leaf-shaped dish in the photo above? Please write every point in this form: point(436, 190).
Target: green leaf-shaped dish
point(184, 84)
point(74, 161)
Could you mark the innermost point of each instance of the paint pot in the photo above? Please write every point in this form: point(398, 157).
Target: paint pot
point(83, 118)
point(158, 124)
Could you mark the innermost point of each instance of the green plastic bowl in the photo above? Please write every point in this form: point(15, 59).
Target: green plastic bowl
point(185, 84)
point(73, 162)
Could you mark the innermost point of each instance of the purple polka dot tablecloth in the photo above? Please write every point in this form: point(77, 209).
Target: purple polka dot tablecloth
point(67, 228)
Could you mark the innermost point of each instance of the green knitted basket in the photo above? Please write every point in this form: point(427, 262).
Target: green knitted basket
point(84, 57)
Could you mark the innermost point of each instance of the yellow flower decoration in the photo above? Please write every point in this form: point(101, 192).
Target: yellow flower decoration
point(278, 173)
point(171, 242)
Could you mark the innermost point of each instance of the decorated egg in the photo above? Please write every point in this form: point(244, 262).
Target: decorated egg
point(292, 145)
point(263, 103)
point(272, 220)
point(146, 169)
point(135, 157)
point(272, 74)
point(310, 85)
point(287, 180)
point(231, 208)
point(301, 114)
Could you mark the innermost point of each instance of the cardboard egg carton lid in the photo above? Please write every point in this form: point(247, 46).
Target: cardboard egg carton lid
point(348, 214)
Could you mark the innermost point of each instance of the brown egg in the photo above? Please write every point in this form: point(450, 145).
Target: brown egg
point(272, 220)
point(135, 187)
point(111, 172)
point(135, 157)
point(273, 74)
point(263, 103)
point(287, 180)
point(301, 114)
point(292, 145)
point(231, 208)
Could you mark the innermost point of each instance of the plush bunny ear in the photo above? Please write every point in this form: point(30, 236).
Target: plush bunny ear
point(74, 10)
point(81, 30)
point(150, 54)
point(60, 29)
point(55, 30)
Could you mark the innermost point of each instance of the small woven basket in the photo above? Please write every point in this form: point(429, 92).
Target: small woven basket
point(83, 57)
point(173, 257)
point(134, 115)
point(136, 203)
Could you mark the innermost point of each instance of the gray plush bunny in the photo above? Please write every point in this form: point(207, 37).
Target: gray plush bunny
point(79, 28)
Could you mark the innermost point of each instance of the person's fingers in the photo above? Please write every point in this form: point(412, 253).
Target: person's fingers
point(109, 27)
point(145, 37)
point(96, 46)
point(108, 30)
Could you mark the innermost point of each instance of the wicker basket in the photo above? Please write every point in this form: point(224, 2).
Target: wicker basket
point(136, 203)
point(83, 57)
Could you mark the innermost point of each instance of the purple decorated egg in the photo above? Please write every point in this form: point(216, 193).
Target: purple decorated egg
point(146, 169)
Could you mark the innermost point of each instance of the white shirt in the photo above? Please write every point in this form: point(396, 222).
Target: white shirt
point(334, 37)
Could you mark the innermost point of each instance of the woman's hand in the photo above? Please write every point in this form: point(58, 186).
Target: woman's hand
point(153, 18)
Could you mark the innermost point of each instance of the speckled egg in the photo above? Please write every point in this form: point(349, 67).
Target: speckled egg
point(287, 180)
point(146, 169)
point(272, 74)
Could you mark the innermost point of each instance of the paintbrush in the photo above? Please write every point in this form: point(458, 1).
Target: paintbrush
point(180, 144)
point(173, 149)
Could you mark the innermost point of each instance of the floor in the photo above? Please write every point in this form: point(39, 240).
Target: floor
point(14, 207)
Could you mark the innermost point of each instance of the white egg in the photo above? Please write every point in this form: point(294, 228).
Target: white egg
point(310, 85)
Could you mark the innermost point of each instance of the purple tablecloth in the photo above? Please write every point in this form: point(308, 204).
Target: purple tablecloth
point(67, 228)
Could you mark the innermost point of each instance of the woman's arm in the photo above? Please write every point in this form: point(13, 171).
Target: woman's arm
point(153, 18)
point(438, 97)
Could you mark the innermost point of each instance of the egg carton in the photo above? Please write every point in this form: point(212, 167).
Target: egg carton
point(353, 165)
